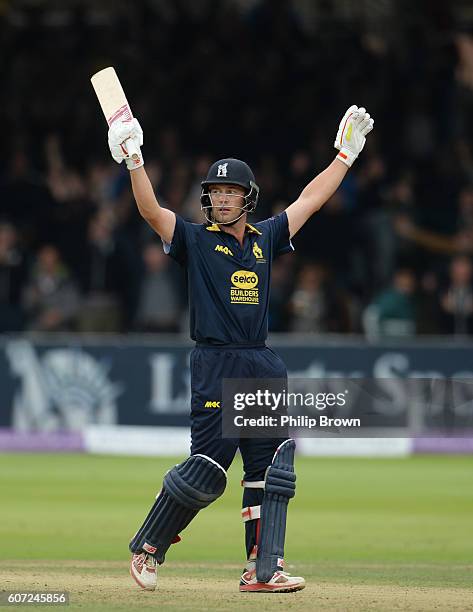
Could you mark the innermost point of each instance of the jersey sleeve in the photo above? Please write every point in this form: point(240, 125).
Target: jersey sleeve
point(279, 228)
point(178, 248)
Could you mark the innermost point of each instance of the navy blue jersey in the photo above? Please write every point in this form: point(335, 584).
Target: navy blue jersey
point(228, 285)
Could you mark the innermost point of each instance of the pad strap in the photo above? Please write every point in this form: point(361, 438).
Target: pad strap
point(250, 513)
point(257, 484)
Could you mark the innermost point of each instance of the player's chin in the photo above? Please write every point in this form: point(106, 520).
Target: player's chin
point(223, 216)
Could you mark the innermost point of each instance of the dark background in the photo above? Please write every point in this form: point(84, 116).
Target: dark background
point(267, 81)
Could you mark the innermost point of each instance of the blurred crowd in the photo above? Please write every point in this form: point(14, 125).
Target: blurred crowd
point(390, 255)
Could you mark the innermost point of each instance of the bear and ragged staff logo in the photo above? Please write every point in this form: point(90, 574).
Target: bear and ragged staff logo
point(258, 253)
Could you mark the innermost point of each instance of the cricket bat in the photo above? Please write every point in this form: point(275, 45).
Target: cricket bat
point(113, 102)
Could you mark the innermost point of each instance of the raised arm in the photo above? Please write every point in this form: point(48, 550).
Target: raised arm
point(314, 195)
point(350, 140)
point(162, 220)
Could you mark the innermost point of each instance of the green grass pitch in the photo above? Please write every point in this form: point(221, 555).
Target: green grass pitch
point(368, 534)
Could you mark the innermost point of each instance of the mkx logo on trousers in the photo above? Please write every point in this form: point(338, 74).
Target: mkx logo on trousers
point(212, 404)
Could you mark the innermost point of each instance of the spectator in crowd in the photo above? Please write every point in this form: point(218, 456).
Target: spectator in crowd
point(429, 314)
point(159, 307)
point(393, 311)
point(106, 276)
point(368, 226)
point(50, 298)
point(73, 194)
point(329, 236)
point(457, 300)
point(12, 277)
point(26, 199)
point(400, 208)
point(459, 240)
point(316, 305)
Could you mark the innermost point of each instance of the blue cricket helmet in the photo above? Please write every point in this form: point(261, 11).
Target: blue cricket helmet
point(231, 171)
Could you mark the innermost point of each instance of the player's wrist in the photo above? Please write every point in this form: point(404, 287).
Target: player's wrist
point(346, 156)
point(134, 163)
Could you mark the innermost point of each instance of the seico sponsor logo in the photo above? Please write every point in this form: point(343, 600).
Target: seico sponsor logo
point(244, 279)
point(244, 290)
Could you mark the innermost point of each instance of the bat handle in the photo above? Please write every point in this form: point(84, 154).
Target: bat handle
point(132, 148)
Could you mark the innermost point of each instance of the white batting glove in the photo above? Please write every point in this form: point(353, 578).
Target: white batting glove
point(119, 134)
point(351, 135)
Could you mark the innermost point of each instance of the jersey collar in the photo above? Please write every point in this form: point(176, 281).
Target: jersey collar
point(250, 229)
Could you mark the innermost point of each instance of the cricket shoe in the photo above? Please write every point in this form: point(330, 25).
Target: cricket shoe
point(143, 570)
point(281, 582)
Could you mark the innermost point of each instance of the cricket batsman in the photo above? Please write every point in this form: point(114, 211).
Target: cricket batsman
point(229, 327)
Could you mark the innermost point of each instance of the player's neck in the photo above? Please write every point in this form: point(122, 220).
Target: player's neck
point(237, 230)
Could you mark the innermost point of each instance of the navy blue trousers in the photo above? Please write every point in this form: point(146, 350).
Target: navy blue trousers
point(209, 366)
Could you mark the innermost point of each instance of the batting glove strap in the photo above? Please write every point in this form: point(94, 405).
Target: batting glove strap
point(347, 157)
point(133, 164)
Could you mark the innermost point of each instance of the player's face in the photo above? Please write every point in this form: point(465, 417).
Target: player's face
point(227, 202)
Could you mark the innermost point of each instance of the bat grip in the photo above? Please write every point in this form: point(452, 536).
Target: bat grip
point(132, 149)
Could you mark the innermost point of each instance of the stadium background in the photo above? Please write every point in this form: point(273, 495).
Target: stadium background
point(93, 320)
